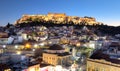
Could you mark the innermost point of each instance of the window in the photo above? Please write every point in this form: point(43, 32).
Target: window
point(88, 68)
point(7, 70)
point(96, 69)
point(93, 69)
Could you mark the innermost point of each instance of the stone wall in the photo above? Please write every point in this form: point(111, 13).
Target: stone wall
point(101, 65)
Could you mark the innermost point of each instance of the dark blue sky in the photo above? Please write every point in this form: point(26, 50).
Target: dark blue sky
point(106, 11)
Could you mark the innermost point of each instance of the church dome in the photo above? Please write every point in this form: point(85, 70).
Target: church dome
point(56, 47)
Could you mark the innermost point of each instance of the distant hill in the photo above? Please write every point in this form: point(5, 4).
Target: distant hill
point(57, 18)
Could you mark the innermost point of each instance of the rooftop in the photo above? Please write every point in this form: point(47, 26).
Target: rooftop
point(60, 54)
point(115, 45)
point(55, 47)
point(100, 55)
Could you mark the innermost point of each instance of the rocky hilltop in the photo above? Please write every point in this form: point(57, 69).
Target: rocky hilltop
point(57, 18)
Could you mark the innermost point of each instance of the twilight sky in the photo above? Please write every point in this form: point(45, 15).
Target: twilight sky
point(106, 11)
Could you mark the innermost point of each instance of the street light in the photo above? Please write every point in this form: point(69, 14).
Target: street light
point(18, 52)
point(78, 44)
point(42, 44)
point(4, 46)
point(16, 46)
point(35, 45)
point(27, 45)
point(33, 50)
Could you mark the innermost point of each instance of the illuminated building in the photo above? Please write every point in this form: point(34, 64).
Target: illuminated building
point(56, 55)
point(57, 18)
point(27, 45)
point(56, 14)
point(3, 38)
point(101, 65)
point(64, 40)
point(105, 60)
point(35, 67)
point(3, 34)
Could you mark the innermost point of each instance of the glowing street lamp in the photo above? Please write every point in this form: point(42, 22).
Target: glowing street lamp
point(78, 44)
point(33, 50)
point(4, 46)
point(35, 45)
point(16, 46)
point(42, 44)
point(27, 45)
point(50, 42)
point(18, 52)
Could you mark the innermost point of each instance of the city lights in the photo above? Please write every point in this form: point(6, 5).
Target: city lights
point(41, 44)
point(33, 49)
point(60, 35)
point(4, 46)
point(78, 44)
point(16, 46)
point(27, 45)
point(35, 45)
point(18, 52)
